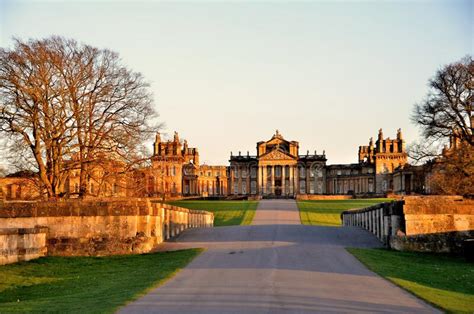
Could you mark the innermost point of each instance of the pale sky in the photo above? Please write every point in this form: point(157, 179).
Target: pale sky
point(226, 75)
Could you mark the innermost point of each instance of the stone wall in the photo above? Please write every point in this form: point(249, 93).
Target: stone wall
point(444, 242)
point(418, 223)
point(22, 244)
point(93, 227)
point(315, 197)
point(437, 214)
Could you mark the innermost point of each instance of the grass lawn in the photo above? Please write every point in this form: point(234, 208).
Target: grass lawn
point(226, 213)
point(445, 281)
point(328, 212)
point(85, 284)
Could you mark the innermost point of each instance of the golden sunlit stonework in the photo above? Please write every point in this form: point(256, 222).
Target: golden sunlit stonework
point(277, 170)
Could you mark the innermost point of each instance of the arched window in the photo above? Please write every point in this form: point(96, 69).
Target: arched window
point(253, 187)
point(302, 187)
point(302, 172)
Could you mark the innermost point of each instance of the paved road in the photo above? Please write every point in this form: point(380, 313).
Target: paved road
point(276, 265)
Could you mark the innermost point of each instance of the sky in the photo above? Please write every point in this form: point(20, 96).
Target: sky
point(226, 75)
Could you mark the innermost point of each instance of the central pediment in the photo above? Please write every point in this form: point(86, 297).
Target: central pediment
point(276, 154)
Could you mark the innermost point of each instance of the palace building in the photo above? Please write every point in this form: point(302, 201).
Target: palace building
point(279, 170)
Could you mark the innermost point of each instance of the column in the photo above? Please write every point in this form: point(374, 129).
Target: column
point(297, 181)
point(249, 190)
point(232, 180)
point(273, 180)
point(240, 180)
point(283, 180)
point(290, 177)
point(264, 180)
point(308, 178)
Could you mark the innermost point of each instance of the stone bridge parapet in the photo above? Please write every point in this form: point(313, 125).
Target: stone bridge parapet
point(418, 223)
point(99, 227)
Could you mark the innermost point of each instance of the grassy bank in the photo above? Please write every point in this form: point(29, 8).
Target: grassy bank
point(328, 212)
point(85, 284)
point(445, 281)
point(226, 213)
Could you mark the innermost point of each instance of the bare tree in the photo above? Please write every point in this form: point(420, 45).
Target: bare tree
point(446, 115)
point(448, 108)
point(71, 105)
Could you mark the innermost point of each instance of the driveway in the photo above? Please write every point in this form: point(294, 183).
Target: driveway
point(276, 265)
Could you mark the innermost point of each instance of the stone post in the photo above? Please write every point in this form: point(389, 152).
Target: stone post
point(290, 185)
point(264, 180)
point(273, 180)
point(283, 180)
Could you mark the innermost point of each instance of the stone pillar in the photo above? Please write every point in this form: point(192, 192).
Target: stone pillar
point(249, 191)
point(308, 178)
point(290, 185)
point(296, 178)
point(273, 180)
point(396, 223)
point(264, 180)
point(283, 180)
point(231, 180)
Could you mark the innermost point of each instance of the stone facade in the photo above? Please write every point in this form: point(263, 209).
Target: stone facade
point(176, 171)
point(279, 170)
point(18, 188)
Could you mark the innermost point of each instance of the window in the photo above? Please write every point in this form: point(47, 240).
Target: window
point(302, 172)
point(236, 187)
point(253, 172)
point(278, 171)
point(173, 171)
point(319, 187)
point(244, 173)
point(311, 187)
point(312, 173)
point(253, 187)
point(209, 174)
point(244, 188)
point(339, 172)
point(92, 188)
point(76, 187)
point(302, 187)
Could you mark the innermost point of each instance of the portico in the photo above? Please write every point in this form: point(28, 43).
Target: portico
point(277, 171)
point(277, 176)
